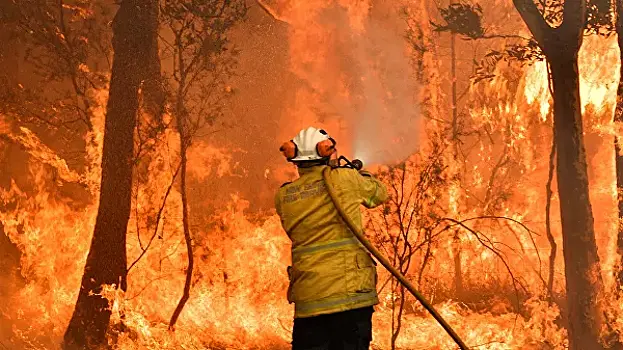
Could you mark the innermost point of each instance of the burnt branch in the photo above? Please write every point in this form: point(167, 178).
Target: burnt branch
point(534, 20)
point(158, 217)
point(488, 244)
point(501, 218)
point(64, 45)
point(139, 292)
point(461, 18)
point(538, 272)
point(502, 36)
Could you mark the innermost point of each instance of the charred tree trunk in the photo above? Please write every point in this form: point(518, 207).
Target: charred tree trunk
point(133, 31)
point(11, 279)
point(584, 286)
point(187, 236)
point(582, 268)
point(618, 157)
point(153, 91)
point(185, 140)
point(553, 246)
point(396, 327)
point(10, 254)
point(548, 225)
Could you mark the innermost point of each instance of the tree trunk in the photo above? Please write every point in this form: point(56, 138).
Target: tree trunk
point(187, 236)
point(553, 247)
point(133, 31)
point(584, 285)
point(185, 140)
point(458, 274)
point(582, 269)
point(618, 118)
point(398, 325)
point(153, 91)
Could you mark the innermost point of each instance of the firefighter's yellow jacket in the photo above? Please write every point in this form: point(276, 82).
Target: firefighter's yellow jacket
point(331, 271)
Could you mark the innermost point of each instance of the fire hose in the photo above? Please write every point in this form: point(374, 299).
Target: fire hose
point(383, 260)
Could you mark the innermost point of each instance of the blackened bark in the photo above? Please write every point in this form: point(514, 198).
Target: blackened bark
point(618, 117)
point(553, 247)
point(582, 270)
point(187, 236)
point(11, 279)
point(133, 32)
point(185, 141)
point(10, 255)
point(584, 286)
point(13, 165)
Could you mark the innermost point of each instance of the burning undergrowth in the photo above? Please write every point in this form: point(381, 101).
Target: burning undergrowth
point(467, 223)
point(238, 289)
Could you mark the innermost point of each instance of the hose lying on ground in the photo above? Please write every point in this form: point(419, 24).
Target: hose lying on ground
point(399, 276)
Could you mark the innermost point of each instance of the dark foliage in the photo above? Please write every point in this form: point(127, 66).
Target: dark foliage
point(461, 18)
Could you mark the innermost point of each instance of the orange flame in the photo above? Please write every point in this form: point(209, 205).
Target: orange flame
point(238, 295)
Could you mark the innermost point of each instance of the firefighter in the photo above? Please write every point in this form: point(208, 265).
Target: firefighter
point(332, 278)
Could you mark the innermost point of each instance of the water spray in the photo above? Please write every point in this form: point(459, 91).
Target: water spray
point(358, 165)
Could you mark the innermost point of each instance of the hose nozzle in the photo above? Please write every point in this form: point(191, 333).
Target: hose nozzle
point(357, 164)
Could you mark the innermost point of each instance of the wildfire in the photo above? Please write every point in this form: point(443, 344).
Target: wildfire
point(239, 285)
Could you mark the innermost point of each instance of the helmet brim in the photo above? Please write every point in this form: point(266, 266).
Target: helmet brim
point(306, 158)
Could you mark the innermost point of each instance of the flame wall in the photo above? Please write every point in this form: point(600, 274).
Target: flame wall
point(342, 65)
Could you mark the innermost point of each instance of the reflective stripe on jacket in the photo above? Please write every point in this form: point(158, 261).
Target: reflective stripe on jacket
point(331, 271)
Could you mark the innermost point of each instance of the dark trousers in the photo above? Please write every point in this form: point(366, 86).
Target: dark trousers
point(348, 330)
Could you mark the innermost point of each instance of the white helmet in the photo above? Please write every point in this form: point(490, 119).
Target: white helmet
point(310, 144)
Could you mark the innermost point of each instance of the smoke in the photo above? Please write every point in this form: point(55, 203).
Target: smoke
point(385, 129)
point(353, 62)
